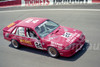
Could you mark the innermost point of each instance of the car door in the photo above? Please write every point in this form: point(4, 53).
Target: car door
point(32, 39)
point(20, 35)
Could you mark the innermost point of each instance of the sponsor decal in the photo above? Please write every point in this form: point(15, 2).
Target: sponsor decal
point(50, 38)
point(11, 25)
point(78, 35)
point(25, 41)
point(73, 37)
point(69, 1)
point(36, 2)
point(54, 43)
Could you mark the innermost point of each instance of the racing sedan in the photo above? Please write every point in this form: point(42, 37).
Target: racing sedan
point(44, 34)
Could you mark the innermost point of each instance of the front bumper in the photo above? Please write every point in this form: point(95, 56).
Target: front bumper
point(74, 49)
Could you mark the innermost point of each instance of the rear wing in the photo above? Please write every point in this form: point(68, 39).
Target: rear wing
point(11, 25)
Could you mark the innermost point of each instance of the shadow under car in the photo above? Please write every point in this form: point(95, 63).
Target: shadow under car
point(45, 53)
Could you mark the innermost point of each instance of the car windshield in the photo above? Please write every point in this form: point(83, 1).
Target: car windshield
point(46, 27)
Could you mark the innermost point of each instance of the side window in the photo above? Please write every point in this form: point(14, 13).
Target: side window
point(13, 32)
point(20, 31)
point(30, 33)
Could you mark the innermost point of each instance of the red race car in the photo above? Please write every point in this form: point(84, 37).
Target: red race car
point(44, 34)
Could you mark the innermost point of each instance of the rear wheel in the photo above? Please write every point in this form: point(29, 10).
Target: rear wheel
point(15, 44)
point(53, 52)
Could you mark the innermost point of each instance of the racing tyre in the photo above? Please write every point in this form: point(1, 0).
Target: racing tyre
point(15, 44)
point(53, 52)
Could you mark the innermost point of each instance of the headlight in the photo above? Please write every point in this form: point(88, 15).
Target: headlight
point(68, 47)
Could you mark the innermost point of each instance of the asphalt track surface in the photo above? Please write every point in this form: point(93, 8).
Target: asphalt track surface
point(87, 21)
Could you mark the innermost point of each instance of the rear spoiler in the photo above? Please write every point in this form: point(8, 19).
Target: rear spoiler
point(11, 25)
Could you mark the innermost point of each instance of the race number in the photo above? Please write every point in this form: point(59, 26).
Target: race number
point(38, 45)
point(29, 20)
point(35, 21)
point(67, 34)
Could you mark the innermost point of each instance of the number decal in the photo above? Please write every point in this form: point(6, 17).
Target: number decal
point(67, 34)
point(38, 45)
point(28, 21)
point(35, 21)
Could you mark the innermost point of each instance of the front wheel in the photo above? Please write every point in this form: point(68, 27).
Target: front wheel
point(53, 52)
point(15, 44)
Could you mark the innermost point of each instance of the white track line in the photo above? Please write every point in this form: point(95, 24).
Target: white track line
point(50, 10)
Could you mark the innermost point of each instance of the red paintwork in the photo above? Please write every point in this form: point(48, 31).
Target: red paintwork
point(56, 40)
point(96, 1)
point(10, 3)
point(31, 24)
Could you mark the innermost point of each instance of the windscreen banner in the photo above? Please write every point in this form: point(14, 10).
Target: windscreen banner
point(36, 2)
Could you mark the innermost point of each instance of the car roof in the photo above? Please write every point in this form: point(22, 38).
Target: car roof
point(31, 22)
